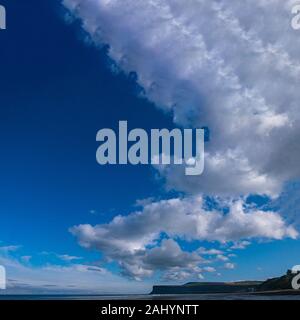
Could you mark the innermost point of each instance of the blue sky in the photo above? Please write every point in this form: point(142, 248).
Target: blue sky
point(50, 126)
point(57, 90)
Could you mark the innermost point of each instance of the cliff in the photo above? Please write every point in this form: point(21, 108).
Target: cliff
point(280, 283)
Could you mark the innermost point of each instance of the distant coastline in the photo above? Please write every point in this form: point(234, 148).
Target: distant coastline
point(272, 289)
point(274, 286)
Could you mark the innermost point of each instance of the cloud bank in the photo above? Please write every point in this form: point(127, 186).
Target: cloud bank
point(71, 279)
point(134, 240)
point(230, 66)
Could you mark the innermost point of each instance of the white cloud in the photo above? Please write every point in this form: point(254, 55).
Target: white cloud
point(240, 245)
point(8, 249)
point(68, 258)
point(169, 258)
point(231, 66)
point(57, 279)
point(209, 269)
point(221, 257)
point(169, 255)
point(133, 240)
point(229, 265)
point(178, 275)
point(204, 251)
point(62, 257)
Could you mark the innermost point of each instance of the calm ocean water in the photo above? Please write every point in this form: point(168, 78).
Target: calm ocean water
point(152, 297)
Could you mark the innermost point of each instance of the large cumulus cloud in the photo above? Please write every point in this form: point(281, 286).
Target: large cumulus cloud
point(230, 66)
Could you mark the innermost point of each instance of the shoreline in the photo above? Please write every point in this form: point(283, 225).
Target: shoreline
point(287, 292)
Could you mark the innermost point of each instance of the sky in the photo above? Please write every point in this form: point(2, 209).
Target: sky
point(70, 68)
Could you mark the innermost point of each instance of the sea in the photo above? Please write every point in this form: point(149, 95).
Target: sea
point(181, 297)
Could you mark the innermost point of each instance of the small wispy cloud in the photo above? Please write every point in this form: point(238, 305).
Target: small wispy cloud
point(10, 248)
point(240, 245)
point(54, 278)
point(229, 266)
point(68, 258)
point(62, 257)
point(26, 259)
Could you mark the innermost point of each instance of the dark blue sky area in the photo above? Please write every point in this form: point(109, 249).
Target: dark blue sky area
point(55, 94)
